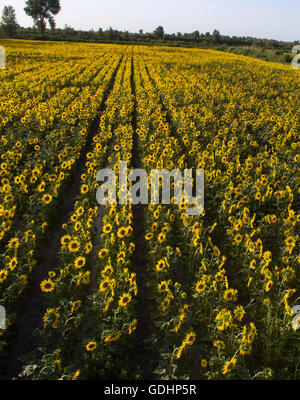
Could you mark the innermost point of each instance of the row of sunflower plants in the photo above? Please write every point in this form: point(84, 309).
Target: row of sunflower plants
point(48, 174)
point(209, 300)
point(91, 297)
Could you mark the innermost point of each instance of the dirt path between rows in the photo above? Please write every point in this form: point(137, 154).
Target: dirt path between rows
point(145, 355)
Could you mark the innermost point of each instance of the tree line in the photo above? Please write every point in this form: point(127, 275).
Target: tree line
point(43, 11)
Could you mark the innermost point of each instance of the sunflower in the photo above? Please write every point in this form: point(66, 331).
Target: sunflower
point(238, 238)
point(103, 253)
point(252, 332)
point(84, 189)
point(154, 226)
point(121, 255)
point(268, 285)
point(131, 248)
point(13, 263)
point(200, 286)
point(290, 243)
point(161, 237)
point(285, 260)
point(80, 211)
point(288, 273)
point(91, 346)
point(104, 285)
point(14, 243)
point(75, 376)
point(75, 306)
point(132, 326)
point(190, 338)
point(108, 270)
point(178, 251)
point(107, 228)
point(149, 236)
point(47, 285)
point(77, 226)
point(156, 214)
point(121, 232)
point(124, 299)
point(79, 262)
point(165, 230)
point(165, 303)
point(230, 295)
point(160, 265)
point(219, 344)
point(51, 316)
point(65, 240)
point(224, 319)
point(47, 198)
point(229, 366)
point(88, 247)
point(245, 348)
point(239, 313)
point(179, 352)
point(74, 245)
point(257, 196)
point(112, 338)
point(41, 187)
point(3, 275)
point(163, 286)
point(86, 278)
point(253, 264)
point(197, 242)
point(74, 217)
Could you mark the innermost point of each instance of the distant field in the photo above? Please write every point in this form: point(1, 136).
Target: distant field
point(146, 291)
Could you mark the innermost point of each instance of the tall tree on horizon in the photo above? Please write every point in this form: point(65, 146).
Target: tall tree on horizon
point(159, 32)
point(9, 22)
point(216, 36)
point(42, 11)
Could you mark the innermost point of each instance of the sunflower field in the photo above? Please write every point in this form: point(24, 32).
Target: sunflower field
point(146, 291)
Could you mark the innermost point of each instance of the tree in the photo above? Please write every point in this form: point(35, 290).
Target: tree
point(159, 32)
point(9, 22)
point(68, 32)
point(216, 36)
point(196, 35)
point(100, 33)
point(110, 34)
point(42, 11)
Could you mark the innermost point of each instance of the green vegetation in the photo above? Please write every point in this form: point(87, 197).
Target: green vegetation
point(281, 56)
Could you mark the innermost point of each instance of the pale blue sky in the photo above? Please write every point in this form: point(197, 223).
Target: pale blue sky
point(272, 19)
